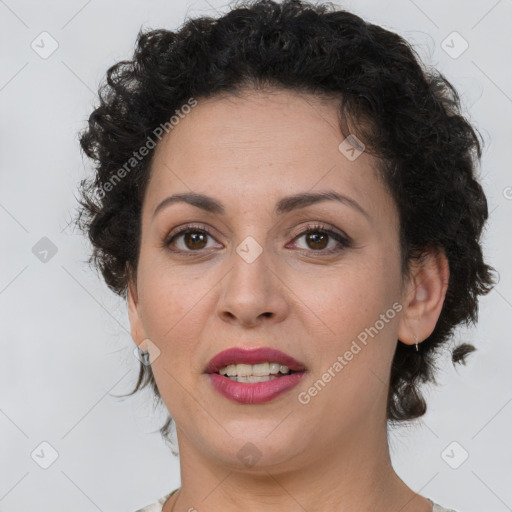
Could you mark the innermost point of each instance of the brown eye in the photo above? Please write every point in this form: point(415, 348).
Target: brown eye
point(194, 240)
point(318, 238)
point(189, 239)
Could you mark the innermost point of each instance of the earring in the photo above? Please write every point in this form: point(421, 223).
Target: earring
point(416, 340)
point(144, 354)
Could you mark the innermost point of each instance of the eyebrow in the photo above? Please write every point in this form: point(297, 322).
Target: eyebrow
point(284, 205)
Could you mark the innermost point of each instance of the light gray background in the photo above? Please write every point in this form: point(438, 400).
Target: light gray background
point(65, 347)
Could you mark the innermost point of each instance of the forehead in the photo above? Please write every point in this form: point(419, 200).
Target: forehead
point(261, 144)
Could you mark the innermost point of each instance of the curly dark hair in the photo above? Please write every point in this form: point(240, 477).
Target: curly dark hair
point(407, 115)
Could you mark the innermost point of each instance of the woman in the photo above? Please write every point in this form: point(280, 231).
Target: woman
point(288, 202)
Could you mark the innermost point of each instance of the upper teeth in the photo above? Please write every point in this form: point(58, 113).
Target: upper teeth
point(260, 369)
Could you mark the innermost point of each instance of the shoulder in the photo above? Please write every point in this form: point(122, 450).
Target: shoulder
point(158, 505)
point(439, 508)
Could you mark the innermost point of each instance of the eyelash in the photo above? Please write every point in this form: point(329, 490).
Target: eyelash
point(315, 228)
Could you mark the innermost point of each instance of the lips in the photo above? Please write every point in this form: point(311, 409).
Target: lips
point(253, 393)
point(252, 356)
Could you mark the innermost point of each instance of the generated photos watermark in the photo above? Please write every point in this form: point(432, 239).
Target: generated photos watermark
point(304, 397)
point(150, 143)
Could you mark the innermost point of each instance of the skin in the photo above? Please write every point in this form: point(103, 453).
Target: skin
point(248, 152)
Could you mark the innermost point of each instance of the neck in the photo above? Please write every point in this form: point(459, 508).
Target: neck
point(354, 473)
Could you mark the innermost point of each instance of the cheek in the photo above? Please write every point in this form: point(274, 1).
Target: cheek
point(353, 296)
point(170, 299)
point(173, 311)
point(359, 318)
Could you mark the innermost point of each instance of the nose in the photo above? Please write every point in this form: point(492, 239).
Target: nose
point(252, 293)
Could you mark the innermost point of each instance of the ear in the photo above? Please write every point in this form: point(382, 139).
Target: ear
point(136, 327)
point(424, 296)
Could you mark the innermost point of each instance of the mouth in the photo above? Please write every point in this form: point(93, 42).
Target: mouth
point(261, 372)
point(254, 376)
point(258, 362)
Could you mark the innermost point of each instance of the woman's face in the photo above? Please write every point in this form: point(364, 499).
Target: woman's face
point(249, 277)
